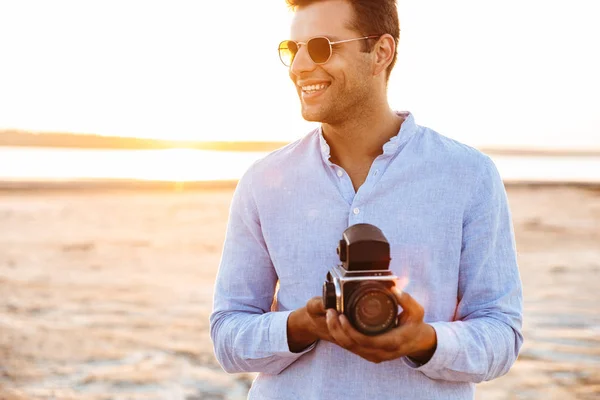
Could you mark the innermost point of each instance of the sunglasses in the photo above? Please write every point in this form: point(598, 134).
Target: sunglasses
point(319, 49)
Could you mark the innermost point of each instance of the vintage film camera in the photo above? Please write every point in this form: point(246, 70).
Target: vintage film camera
point(360, 287)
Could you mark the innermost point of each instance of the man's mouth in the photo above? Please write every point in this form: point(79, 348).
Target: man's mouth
point(314, 88)
point(311, 91)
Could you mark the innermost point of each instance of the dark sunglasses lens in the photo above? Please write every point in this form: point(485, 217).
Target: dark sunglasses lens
point(287, 51)
point(319, 49)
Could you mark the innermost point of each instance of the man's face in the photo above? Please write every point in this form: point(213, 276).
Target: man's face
point(345, 81)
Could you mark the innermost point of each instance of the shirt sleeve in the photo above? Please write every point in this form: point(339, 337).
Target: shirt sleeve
point(247, 336)
point(485, 338)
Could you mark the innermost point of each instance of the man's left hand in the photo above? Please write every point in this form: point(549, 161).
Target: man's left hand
point(412, 337)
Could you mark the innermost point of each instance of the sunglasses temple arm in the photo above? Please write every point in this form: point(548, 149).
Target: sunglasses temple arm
point(351, 40)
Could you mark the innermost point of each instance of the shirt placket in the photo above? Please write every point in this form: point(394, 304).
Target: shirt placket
point(359, 201)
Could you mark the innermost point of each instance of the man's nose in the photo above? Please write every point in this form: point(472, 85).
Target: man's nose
point(302, 62)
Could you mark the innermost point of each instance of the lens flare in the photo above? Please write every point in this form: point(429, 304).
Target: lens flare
point(401, 283)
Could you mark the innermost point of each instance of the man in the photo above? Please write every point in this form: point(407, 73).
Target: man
point(440, 204)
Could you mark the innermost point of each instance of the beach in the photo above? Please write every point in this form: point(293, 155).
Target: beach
point(106, 293)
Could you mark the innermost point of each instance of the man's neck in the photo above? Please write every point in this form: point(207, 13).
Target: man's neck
point(360, 140)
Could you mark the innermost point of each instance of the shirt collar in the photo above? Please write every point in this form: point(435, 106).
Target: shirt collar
point(391, 147)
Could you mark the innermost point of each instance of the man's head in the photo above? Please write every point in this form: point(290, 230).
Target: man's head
point(356, 74)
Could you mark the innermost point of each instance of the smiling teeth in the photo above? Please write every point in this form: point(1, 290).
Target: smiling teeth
point(314, 88)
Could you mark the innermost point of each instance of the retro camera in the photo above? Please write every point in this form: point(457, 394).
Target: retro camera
point(360, 287)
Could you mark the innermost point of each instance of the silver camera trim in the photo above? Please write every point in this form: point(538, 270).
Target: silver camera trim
point(339, 275)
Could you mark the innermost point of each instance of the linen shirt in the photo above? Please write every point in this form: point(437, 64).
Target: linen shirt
point(443, 208)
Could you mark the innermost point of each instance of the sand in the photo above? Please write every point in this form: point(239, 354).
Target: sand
point(106, 294)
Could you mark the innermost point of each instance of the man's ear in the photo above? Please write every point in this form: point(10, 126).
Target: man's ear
point(383, 53)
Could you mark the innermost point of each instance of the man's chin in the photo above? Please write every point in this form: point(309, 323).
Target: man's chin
point(312, 115)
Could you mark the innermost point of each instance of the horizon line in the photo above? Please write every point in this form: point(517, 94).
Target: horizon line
point(24, 138)
point(104, 184)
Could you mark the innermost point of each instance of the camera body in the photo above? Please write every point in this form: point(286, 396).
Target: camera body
point(360, 287)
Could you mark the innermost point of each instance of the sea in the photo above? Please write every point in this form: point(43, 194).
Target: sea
point(184, 165)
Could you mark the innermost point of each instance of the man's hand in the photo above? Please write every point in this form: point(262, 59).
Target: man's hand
point(412, 337)
point(306, 325)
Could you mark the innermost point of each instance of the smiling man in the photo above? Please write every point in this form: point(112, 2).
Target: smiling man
point(441, 204)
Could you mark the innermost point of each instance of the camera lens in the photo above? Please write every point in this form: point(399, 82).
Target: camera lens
point(372, 308)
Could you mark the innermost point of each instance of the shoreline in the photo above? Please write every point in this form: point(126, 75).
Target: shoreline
point(87, 185)
point(96, 142)
point(176, 186)
point(52, 140)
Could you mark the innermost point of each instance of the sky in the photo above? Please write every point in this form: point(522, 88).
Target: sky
point(488, 73)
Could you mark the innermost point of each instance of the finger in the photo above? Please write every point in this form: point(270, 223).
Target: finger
point(388, 341)
point(337, 332)
point(356, 336)
point(409, 305)
point(367, 347)
point(315, 306)
point(402, 318)
point(375, 355)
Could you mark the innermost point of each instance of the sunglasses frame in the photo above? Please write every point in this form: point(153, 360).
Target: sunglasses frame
point(331, 44)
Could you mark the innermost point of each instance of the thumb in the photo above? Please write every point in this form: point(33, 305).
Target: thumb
point(315, 306)
point(406, 301)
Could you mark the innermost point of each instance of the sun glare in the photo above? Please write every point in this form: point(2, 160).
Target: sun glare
point(210, 70)
point(180, 165)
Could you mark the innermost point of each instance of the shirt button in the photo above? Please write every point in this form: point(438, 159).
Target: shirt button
point(339, 173)
point(356, 211)
point(376, 172)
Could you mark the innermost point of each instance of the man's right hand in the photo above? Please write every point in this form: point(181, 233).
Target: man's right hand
point(306, 325)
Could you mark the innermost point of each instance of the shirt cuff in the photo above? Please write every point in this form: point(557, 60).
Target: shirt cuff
point(446, 351)
point(278, 335)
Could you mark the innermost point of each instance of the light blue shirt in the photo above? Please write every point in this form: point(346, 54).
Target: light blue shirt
point(443, 208)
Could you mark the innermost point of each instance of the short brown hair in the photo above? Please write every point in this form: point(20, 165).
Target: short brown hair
point(372, 17)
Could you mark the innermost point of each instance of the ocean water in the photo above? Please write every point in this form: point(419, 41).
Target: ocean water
point(42, 164)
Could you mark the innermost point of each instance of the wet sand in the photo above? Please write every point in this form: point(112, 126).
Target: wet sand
point(106, 294)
